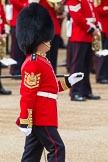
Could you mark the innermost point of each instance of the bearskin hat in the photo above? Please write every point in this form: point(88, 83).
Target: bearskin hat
point(34, 26)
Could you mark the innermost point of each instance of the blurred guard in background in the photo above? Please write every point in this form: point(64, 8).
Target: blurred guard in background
point(56, 11)
point(84, 26)
point(2, 37)
point(16, 53)
point(102, 62)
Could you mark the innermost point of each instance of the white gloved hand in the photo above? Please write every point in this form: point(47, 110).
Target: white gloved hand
point(26, 131)
point(7, 29)
point(75, 77)
point(9, 11)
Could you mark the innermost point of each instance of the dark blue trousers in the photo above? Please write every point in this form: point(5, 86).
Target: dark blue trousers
point(52, 54)
point(102, 62)
point(40, 138)
point(79, 60)
point(16, 54)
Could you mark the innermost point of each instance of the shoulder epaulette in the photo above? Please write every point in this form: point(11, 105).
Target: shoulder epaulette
point(33, 57)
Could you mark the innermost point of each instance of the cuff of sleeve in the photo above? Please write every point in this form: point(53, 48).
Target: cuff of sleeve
point(28, 121)
point(91, 30)
point(23, 125)
point(67, 82)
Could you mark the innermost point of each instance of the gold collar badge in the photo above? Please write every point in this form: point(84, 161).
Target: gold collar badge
point(41, 53)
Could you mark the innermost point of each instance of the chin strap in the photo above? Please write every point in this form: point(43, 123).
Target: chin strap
point(43, 54)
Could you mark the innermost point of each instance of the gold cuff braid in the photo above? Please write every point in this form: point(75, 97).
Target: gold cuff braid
point(27, 121)
point(63, 83)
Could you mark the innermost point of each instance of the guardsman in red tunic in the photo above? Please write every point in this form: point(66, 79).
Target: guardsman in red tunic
point(2, 36)
point(39, 87)
point(102, 62)
point(16, 53)
point(53, 53)
point(84, 25)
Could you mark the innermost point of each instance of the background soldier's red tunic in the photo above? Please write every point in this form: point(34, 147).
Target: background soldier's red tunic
point(56, 21)
point(2, 19)
point(80, 11)
point(17, 6)
point(103, 14)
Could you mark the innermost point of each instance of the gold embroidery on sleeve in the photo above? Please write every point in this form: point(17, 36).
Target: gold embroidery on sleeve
point(31, 80)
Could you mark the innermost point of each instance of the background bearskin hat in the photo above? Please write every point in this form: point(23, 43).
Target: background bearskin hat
point(34, 26)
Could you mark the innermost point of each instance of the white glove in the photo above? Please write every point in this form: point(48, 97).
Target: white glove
point(75, 77)
point(26, 131)
point(9, 11)
point(7, 29)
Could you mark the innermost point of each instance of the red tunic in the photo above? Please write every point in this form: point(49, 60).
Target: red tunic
point(38, 75)
point(83, 13)
point(103, 14)
point(56, 21)
point(2, 19)
point(17, 6)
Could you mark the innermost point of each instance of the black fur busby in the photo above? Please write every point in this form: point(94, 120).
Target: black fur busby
point(34, 26)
